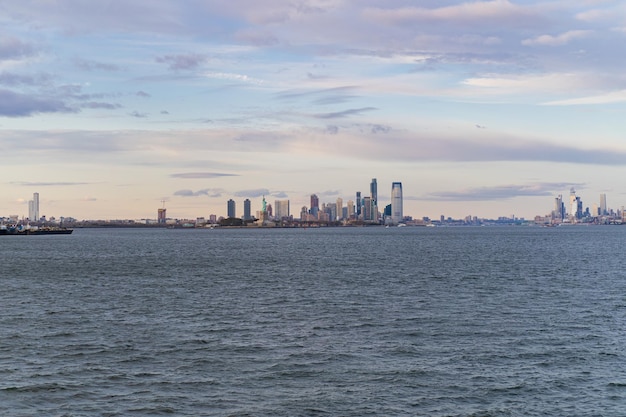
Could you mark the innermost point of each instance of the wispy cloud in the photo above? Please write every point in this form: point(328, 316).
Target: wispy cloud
point(49, 184)
point(344, 113)
point(558, 40)
point(201, 175)
point(22, 105)
point(182, 61)
point(206, 192)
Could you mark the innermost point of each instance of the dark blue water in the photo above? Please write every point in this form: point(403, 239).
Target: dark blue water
point(510, 321)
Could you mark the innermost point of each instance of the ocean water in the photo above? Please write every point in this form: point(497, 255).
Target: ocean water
point(493, 321)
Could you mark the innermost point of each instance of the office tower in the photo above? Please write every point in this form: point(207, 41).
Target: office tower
point(559, 208)
point(396, 202)
point(603, 210)
point(350, 209)
point(162, 215)
point(231, 208)
point(367, 208)
point(33, 208)
point(339, 208)
point(247, 215)
point(374, 196)
point(358, 204)
point(315, 205)
point(282, 208)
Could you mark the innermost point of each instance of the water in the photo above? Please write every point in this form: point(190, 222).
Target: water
point(510, 321)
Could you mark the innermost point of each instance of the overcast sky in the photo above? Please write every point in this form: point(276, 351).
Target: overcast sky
point(484, 108)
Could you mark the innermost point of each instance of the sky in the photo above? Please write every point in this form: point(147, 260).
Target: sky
point(113, 109)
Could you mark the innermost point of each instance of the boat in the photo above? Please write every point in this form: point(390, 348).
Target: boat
point(21, 230)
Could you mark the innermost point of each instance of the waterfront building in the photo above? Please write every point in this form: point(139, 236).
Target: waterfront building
point(282, 209)
point(374, 200)
point(33, 208)
point(603, 210)
point(559, 208)
point(350, 209)
point(231, 208)
point(396, 202)
point(367, 208)
point(161, 215)
point(339, 208)
point(315, 205)
point(247, 214)
point(358, 204)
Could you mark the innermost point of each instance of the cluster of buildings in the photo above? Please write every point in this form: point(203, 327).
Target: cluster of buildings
point(571, 211)
point(363, 209)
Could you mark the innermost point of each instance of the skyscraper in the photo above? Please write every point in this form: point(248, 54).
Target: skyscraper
point(231, 208)
point(396, 202)
point(603, 210)
point(282, 208)
point(246, 209)
point(339, 208)
point(358, 204)
point(374, 199)
point(315, 205)
point(33, 208)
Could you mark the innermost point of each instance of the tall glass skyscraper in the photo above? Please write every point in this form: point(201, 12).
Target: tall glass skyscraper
point(247, 214)
point(374, 200)
point(33, 208)
point(231, 208)
point(396, 202)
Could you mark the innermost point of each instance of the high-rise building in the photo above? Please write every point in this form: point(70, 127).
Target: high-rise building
point(350, 209)
point(374, 196)
point(603, 210)
point(339, 208)
point(247, 215)
point(559, 208)
point(231, 208)
point(396, 202)
point(367, 208)
point(315, 205)
point(33, 208)
point(162, 215)
point(282, 208)
point(358, 204)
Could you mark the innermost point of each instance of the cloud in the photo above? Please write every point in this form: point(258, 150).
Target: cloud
point(49, 184)
point(12, 79)
point(257, 192)
point(89, 65)
point(182, 61)
point(233, 76)
point(138, 114)
point(209, 192)
point(344, 113)
point(142, 94)
point(199, 175)
point(474, 13)
point(501, 192)
point(21, 105)
point(562, 39)
point(99, 105)
point(608, 98)
point(13, 49)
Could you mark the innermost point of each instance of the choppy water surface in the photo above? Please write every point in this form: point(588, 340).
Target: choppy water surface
point(511, 321)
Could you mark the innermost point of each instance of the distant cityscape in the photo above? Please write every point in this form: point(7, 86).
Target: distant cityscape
point(363, 210)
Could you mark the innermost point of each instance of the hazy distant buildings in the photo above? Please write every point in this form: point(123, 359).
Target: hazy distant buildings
point(396, 202)
point(231, 208)
point(33, 208)
point(282, 209)
point(339, 208)
point(247, 214)
point(359, 204)
point(315, 205)
point(162, 215)
point(603, 210)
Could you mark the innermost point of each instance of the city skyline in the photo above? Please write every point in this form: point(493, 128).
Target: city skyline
point(490, 108)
